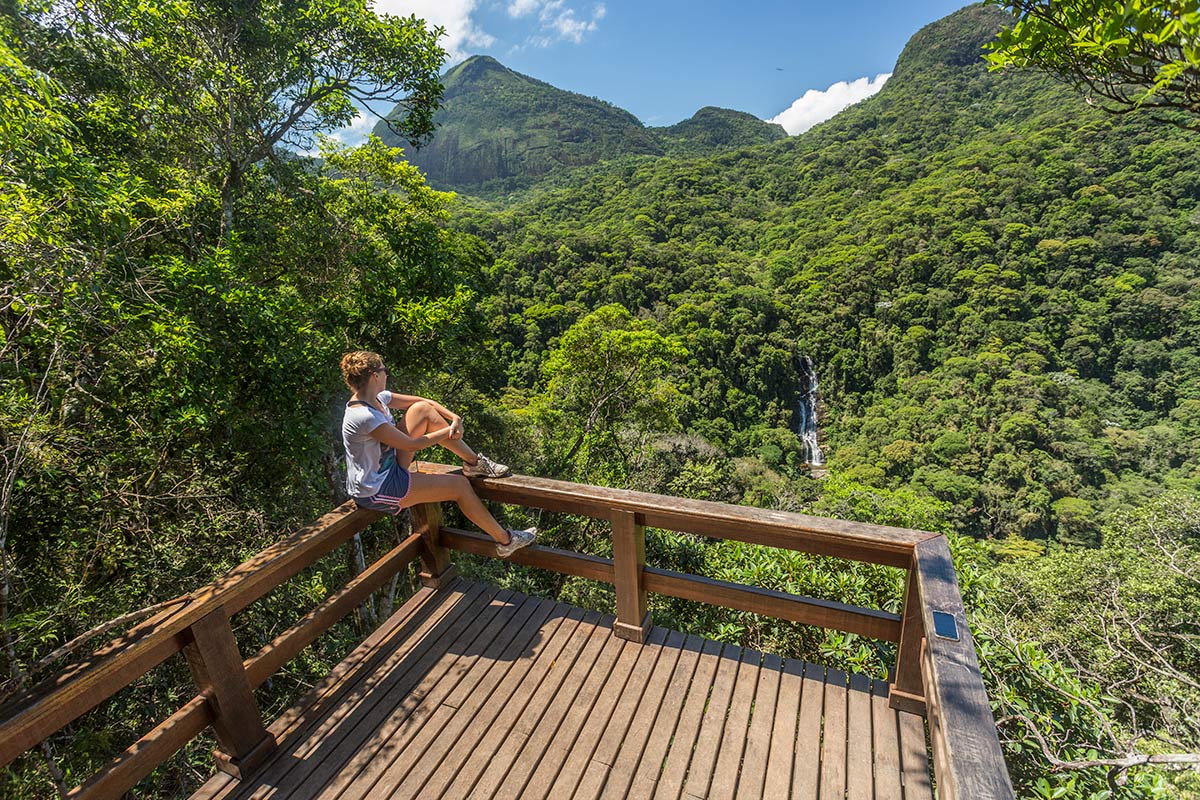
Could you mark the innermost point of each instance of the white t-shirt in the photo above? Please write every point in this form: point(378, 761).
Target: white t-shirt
point(367, 460)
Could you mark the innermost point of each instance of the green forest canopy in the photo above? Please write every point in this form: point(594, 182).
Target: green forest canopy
point(996, 283)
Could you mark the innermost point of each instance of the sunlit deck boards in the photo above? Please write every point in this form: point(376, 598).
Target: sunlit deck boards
point(472, 691)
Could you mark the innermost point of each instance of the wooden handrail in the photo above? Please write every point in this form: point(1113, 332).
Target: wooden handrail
point(782, 605)
point(934, 674)
point(961, 726)
point(35, 714)
point(198, 625)
point(287, 645)
point(165, 739)
point(873, 544)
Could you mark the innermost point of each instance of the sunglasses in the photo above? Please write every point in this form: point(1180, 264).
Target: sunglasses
point(384, 371)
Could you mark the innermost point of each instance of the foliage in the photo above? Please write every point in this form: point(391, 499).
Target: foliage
point(995, 283)
point(713, 128)
point(1143, 54)
point(228, 83)
point(169, 393)
point(997, 287)
point(608, 377)
point(1123, 616)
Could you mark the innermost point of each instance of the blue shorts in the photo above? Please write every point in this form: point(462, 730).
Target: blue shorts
point(393, 491)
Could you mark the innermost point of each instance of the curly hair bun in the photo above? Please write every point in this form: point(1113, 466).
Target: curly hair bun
point(358, 366)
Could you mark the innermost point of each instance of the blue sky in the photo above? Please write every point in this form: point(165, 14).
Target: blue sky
point(664, 59)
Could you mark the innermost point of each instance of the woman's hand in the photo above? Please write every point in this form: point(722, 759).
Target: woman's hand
point(456, 428)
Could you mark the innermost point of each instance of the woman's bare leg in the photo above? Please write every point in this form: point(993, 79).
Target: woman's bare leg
point(425, 488)
point(420, 419)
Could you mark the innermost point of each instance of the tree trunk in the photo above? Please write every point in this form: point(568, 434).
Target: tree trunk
point(226, 212)
point(358, 565)
point(229, 189)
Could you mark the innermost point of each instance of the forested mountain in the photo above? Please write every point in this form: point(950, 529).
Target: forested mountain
point(499, 130)
point(997, 285)
point(712, 128)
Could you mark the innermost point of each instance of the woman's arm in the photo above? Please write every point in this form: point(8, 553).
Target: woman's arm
point(392, 436)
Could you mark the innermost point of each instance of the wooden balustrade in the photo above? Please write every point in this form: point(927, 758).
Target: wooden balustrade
point(198, 626)
point(936, 673)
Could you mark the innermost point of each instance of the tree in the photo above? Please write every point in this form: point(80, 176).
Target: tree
point(1108, 638)
point(167, 403)
point(235, 79)
point(608, 372)
point(1143, 54)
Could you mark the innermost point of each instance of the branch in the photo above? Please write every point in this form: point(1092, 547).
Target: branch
point(1010, 642)
point(298, 110)
point(1117, 766)
point(13, 685)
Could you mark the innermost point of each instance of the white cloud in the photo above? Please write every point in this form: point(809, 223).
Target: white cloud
point(521, 8)
point(356, 132)
point(816, 106)
point(453, 15)
point(558, 21)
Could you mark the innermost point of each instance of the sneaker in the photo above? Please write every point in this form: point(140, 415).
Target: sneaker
point(486, 468)
point(516, 540)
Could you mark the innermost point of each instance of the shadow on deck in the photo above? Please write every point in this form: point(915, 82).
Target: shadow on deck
point(471, 691)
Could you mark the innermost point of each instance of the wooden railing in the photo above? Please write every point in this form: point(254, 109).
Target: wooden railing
point(198, 625)
point(937, 675)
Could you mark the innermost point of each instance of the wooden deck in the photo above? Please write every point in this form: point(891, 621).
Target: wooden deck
point(470, 691)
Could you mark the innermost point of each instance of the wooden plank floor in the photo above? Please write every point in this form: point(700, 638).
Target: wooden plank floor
point(474, 692)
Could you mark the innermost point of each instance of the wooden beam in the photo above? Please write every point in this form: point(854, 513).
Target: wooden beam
point(781, 605)
point(906, 692)
point(564, 561)
point(216, 665)
point(876, 544)
point(908, 703)
point(937, 733)
point(284, 647)
point(629, 561)
point(968, 761)
point(436, 569)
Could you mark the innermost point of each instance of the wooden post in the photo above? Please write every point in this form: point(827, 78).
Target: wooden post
point(937, 732)
point(629, 561)
point(967, 756)
point(243, 742)
point(436, 569)
point(907, 692)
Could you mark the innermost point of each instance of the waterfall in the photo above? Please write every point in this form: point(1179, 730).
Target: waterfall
point(807, 429)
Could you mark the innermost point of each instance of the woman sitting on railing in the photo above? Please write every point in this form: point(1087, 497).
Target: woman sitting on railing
point(379, 450)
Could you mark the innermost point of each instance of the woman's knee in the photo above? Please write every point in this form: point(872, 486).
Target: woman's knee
point(420, 418)
point(421, 410)
point(462, 487)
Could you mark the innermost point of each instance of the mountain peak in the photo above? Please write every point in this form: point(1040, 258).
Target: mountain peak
point(712, 127)
point(501, 128)
point(475, 68)
point(955, 41)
